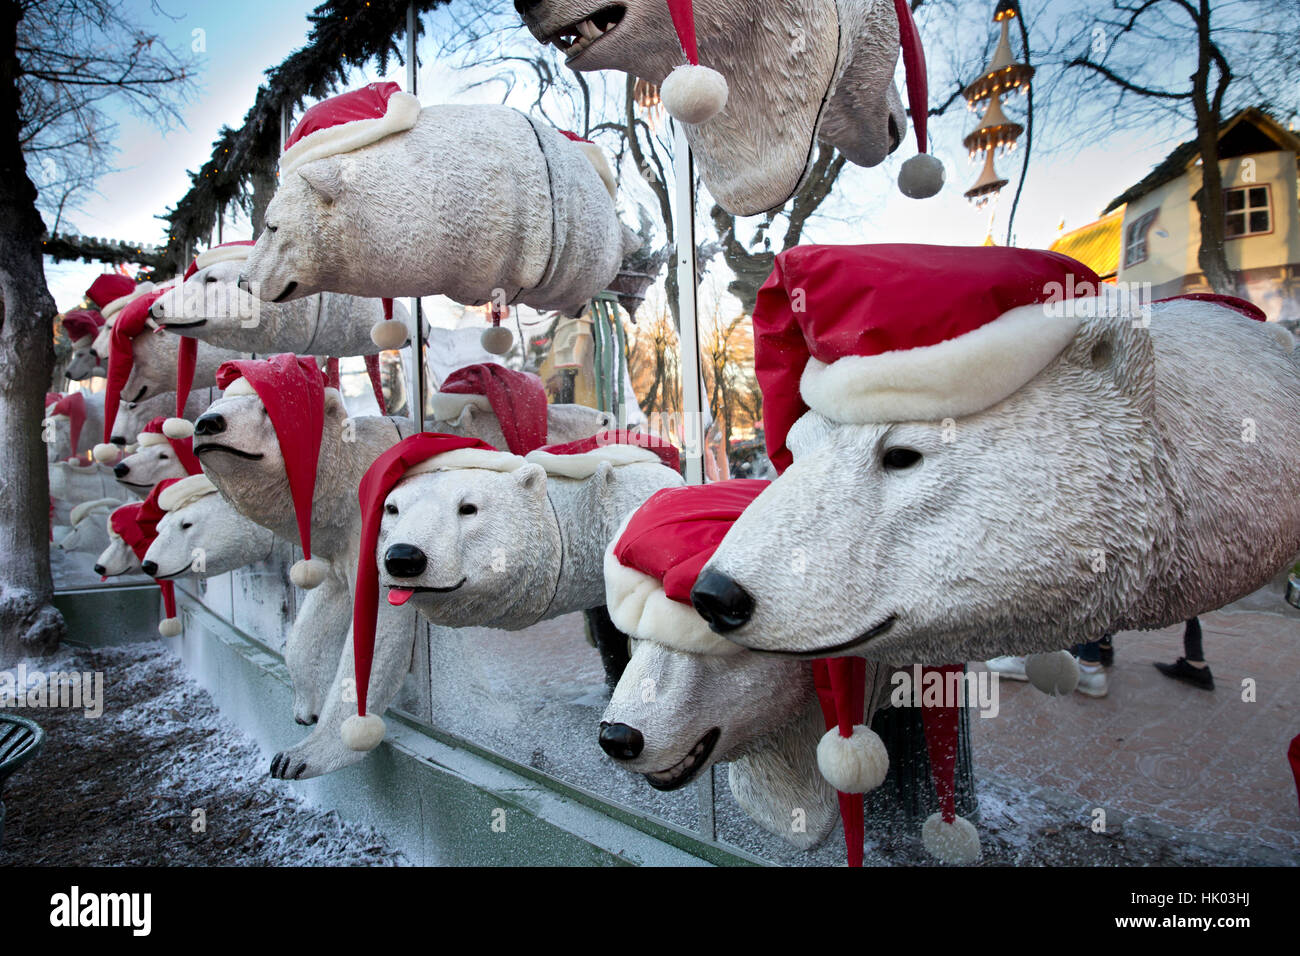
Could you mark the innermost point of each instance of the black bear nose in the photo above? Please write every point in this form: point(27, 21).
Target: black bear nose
point(118, 440)
point(404, 561)
point(121, 470)
point(621, 741)
point(210, 424)
point(721, 601)
point(149, 567)
point(100, 569)
point(523, 6)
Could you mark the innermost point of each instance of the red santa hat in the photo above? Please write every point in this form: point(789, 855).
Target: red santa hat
point(921, 176)
point(137, 525)
point(292, 388)
point(112, 292)
point(72, 407)
point(81, 326)
point(349, 122)
point(518, 399)
point(617, 446)
point(650, 569)
point(364, 731)
point(155, 434)
point(882, 333)
point(132, 321)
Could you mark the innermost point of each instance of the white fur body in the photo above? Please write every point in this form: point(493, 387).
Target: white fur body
point(796, 71)
point(1146, 475)
point(473, 202)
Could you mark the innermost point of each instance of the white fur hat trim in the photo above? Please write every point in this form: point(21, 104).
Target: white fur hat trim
point(83, 343)
point(948, 380)
point(596, 156)
point(117, 305)
point(86, 507)
point(239, 386)
point(210, 257)
point(148, 439)
point(401, 114)
point(448, 406)
point(185, 492)
point(468, 458)
point(585, 464)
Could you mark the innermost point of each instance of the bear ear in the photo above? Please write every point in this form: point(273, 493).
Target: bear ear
point(465, 417)
point(532, 478)
point(325, 177)
point(334, 404)
point(1116, 346)
point(604, 475)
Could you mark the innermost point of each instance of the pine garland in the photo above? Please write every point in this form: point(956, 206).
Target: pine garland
point(344, 34)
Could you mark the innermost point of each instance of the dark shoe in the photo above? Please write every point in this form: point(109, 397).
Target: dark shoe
point(1183, 671)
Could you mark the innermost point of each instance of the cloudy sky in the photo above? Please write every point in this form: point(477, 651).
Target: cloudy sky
point(244, 37)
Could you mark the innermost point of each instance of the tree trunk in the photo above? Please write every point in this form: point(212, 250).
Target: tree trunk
point(1211, 256)
point(29, 624)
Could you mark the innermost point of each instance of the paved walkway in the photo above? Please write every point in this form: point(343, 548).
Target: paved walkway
point(1204, 762)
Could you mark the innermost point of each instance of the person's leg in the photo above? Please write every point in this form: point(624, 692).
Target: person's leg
point(1092, 676)
point(1191, 667)
point(1107, 649)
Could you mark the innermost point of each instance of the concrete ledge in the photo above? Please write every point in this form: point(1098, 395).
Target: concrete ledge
point(435, 797)
point(110, 615)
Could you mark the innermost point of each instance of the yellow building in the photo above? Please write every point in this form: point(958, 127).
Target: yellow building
point(1161, 224)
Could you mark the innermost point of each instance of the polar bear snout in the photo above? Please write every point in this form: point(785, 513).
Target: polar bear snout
point(405, 561)
point(210, 423)
point(722, 601)
point(621, 741)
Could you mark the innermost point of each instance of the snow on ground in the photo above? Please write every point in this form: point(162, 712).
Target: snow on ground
point(123, 789)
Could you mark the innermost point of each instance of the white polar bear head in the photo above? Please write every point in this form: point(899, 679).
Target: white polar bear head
point(471, 545)
point(89, 522)
point(209, 302)
point(148, 466)
point(202, 534)
point(835, 60)
point(85, 364)
point(295, 257)
point(116, 559)
point(676, 713)
point(238, 447)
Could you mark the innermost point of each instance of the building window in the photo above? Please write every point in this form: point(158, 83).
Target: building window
point(1246, 212)
point(1135, 238)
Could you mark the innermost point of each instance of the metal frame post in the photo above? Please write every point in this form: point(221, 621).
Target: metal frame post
point(687, 282)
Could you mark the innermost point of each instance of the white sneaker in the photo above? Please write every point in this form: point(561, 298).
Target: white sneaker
point(1009, 668)
point(1092, 680)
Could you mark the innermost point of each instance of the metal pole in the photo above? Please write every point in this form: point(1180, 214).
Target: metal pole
point(687, 282)
point(417, 310)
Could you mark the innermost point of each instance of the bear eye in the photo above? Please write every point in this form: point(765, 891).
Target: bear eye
point(390, 509)
point(270, 228)
point(207, 279)
point(469, 509)
point(186, 525)
point(162, 457)
point(898, 459)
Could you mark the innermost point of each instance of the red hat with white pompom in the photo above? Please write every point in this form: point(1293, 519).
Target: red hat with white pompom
point(898, 332)
point(518, 399)
point(650, 568)
point(154, 434)
point(71, 407)
point(112, 292)
point(946, 836)
point(137, 525)
point(430, 452)
point(133, 321)
point(345, 123)
point(695, 94)
point(81, 326)
point(292, 389)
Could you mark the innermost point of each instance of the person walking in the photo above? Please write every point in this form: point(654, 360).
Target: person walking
point(1191, 667)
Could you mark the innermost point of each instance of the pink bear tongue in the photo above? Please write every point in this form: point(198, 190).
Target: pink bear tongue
point(399, 596)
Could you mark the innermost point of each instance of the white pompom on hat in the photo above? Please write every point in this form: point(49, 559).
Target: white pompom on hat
point(946, 836)
point(691, 93)
point(921, 176)
point(1056, 673)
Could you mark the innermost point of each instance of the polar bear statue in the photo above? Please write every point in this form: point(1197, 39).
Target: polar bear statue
point(211, 307)
point(89, 531)
point(473, 536)
point(980, 455)
point(477, 203)
point(780, 76)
